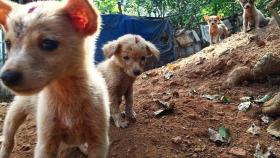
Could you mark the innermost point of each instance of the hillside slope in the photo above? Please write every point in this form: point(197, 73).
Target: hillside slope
point(201, 74)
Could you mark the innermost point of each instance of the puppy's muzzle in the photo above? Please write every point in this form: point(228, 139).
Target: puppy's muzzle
point(136, 72)
point(247, 6)
point(11, 78)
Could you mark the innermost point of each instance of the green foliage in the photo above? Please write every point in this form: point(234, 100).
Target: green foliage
point(183, 13)
point(107, 6)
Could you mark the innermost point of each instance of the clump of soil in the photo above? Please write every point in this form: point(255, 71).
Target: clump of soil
point(184, 133)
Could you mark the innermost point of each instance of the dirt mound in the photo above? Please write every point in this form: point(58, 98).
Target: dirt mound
point(184, 133)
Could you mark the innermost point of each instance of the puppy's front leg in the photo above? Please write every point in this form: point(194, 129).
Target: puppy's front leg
point(16, 115)
point(98, 147)
point(211, 40)
point(129, 112)
point(115, 112)
point(257, 22)
point(245, 24)
point(216, 38)
point(47, 137)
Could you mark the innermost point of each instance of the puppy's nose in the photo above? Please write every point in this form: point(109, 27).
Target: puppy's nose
point(11, 78)
point(136, 72)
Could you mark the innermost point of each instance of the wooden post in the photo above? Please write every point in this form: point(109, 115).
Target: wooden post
point(271, 7)
point(120, 7)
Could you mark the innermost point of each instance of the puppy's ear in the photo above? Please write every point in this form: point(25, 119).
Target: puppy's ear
point(206, 18)
point(111, 48)
point(5, 8)
point(83, 16)
point(219, 18)
point(152, 50)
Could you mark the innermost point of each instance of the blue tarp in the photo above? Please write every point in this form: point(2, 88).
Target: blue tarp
point(158, 31)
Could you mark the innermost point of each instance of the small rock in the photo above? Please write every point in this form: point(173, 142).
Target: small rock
point(274, 128)
point(144, 76)
point(244, 106)
point(197, 149)
point(260, 43)
point(177, 140)
point(266, 119)
point(154, 81)
point(200, 61)
point(221, 113)
point(194, 155)
point(229, 63)
point(175, 94)
point(239, 152)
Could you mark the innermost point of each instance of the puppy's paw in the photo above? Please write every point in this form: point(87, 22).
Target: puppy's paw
point(119, 121)
point(131, 115)
point(122, 124)
point(84, 148)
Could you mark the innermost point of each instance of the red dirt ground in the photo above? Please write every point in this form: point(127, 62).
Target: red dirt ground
point(151, 137)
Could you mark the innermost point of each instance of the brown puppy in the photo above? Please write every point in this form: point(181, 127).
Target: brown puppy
point(252, 17)
point(48, 57)
point(126, 60)
point(216, 28)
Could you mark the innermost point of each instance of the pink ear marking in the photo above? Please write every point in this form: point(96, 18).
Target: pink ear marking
point(31, 10)
point(136, 39)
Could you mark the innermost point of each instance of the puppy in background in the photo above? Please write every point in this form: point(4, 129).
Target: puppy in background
point(54, 77)
point(252, 17)
point(216, 28)
point(126, 58)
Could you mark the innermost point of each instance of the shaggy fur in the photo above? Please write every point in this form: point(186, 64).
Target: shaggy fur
point(126, 58)
point(49, 58)
point(252, 17)
point(216, 28)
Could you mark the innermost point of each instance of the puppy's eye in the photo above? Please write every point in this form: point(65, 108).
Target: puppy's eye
point(143, 58)
point(215, 20)
point(49, 45)
point(8, 44)
point(126, 58)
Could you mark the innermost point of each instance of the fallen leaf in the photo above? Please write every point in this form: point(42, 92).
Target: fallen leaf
point(255, 130)
point(166, 108)
point(223, 136)
point(263, 99)
point(224, 132)
point(263, 152)
point(226, 99)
